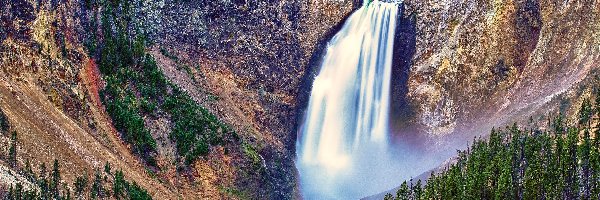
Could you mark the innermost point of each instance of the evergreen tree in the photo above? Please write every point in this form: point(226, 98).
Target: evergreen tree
point(532, 180)
point(563, 163)
point(29, 174)
point(572, 189)
point(12, 151)
point(134, 191)
point(504, 189)
point(584, 156)
point(55, 180)
point(585, 112)
point(388, 197)
point(595, 166)
point(43, 182)
point(417, 190)
point(4, 125)
point(11, 193)
point(107, 168)
point(97, 186)
point(119, 185)
point(80, 185)
point(403, 193)
point(18, 191)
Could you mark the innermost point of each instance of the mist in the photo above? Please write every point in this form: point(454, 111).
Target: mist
point(371, 170)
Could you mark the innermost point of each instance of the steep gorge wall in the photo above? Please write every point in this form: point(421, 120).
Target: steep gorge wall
point(479, 64)
point(254, 56)
point(458, 63)
point(248, 59)
point(46, 96)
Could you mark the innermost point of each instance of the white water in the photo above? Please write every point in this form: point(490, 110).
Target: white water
point(343, 142)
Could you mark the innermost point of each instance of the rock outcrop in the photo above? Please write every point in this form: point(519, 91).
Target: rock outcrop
point(460, 68)
point(480, 64)
point(248, 60)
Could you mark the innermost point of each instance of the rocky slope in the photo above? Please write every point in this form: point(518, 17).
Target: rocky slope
point(247, 63)
point(460, 67)
point(479, 64)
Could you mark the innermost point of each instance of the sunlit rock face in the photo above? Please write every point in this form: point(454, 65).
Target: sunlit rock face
point(253, 55)
point(479, 64)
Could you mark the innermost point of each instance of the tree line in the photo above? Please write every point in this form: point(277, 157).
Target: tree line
point(46, 184)
point(561, 161)
point(136, 88)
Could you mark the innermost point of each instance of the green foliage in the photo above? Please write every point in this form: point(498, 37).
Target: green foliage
point(107, 168)
point(403, 193)
point(4, 125)
point(81, 182)
point(136, 192)
point(55, 181)
point(121, 59)
point(585, 112)
point(119, 185)
point(195, 128)
point(97, 187)
point(12, 151)
point(168, 54)
point(136, 89)
point(252, 154)
point(50, 189)
point(561, 163)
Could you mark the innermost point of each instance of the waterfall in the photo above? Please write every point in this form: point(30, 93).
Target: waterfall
point(346, 121)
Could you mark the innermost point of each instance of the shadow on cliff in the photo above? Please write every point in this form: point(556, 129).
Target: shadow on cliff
point(312, 68)
point(402, 112)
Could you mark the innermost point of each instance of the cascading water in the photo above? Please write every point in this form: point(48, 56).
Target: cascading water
point(344, 136)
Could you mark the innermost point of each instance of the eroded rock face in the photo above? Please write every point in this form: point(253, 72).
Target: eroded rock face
point(252, 55)
point(457, 64)
point(492, 62)
point(255, 56)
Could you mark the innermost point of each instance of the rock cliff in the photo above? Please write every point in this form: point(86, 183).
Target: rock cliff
point(460, 68)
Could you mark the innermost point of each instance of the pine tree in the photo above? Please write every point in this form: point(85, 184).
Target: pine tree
point(584, 156)
point(388, 196)
point(97, 188)
point(11, 193)
point(119, 185)
point(43, 182)
point(403, 193)
point(4, 125)
point(417, 190)
point(429, 187)
point(518, 164)
point(55, 180)
point(80, 185)
point(585, 112)
point(19, 191)
point(516, 149)
point(504, 188)
point(549, 168)
point(572, 182)
point(532, 182)
point(595, 165)
point(29, 171)
point(107, 168)
point(12, 151)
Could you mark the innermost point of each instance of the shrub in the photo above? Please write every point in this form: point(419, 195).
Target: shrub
point(4, 125)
